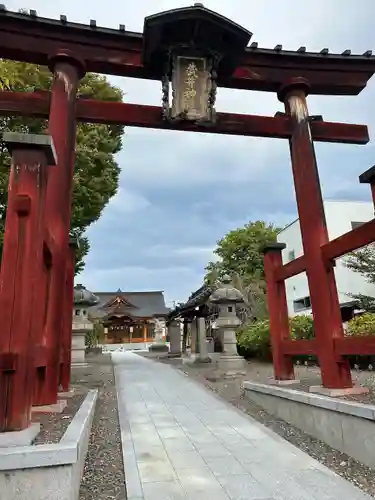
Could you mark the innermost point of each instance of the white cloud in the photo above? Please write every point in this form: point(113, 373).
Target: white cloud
point(127, 201)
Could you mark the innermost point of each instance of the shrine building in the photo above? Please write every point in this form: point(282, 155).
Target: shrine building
point(130, 318)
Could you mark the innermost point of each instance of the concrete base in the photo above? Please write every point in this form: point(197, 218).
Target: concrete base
point(281, 383)
point(59, 407)
point(233, 374)
point(174, 355)
point(19, 438)
point(52, 471)
point(336, 393)
point(68, 394)
point(79, 365)
point(163, 348)
point(232, 364)
point(201, 360)
point(346, 426)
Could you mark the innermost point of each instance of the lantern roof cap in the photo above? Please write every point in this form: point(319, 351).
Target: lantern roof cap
point(226, 293)
point(83, 297)
point(196, 30)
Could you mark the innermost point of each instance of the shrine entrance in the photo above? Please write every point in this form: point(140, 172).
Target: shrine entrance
point(123, 330)
point(191, 51)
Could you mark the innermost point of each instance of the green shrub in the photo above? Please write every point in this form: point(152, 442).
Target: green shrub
point(254, 339)
point(302, 327)
point(362, 325)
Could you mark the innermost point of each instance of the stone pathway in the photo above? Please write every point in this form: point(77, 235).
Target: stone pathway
point(181, 442)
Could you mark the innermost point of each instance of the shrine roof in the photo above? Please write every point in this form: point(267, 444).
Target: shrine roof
point(145, 304)
point(30, 38)
point(197, 299)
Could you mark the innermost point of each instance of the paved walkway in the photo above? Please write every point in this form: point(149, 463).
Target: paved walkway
point(180, 441)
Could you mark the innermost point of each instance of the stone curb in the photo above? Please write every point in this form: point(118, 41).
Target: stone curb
point(348, 407)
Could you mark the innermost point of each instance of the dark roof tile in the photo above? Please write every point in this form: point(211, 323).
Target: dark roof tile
point(146, 304)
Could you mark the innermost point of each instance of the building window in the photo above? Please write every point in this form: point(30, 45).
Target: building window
point(291, 255)
point(301, 304)
point(77, 312)
point(357, 224)
point(230, 309)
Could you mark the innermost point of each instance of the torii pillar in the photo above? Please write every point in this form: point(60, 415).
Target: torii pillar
point(335, 369)
point(66, 341)
point(67, 72)
point(21, 272)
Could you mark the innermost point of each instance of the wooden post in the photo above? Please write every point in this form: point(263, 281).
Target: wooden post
point(335, 369)
point(194, 336)
point(368, 177)
point(145, 333)
point(67, 72)
point(185, 335)
point(21, 271)
point(278, 312)
point(66, 341)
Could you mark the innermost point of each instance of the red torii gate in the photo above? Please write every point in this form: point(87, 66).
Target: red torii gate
point(40, 353)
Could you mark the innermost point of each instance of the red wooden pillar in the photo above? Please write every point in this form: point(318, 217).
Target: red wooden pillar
point(335, 370)
point(66, 341)
point(67, 72)
point(20, 273)
point(278, 312)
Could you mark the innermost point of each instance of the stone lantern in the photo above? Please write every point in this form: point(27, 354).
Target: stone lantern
point(82, 300)
point(159, 346)
point(226, 297)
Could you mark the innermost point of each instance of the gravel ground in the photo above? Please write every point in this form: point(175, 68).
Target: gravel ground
point(232, 391)
point(103, 476)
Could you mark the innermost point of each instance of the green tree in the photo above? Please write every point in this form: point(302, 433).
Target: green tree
point(363, 261)
point(96, 173)
point(240, 252)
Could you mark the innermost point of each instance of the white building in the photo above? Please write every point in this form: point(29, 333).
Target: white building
point(341, 217)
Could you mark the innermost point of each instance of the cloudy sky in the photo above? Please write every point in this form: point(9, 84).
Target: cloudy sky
point(180, 192)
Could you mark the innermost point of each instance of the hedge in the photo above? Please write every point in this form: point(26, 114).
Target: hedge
point(253, 341)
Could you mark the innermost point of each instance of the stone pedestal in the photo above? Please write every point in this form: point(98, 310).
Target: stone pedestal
point(174, 332)
point(78, 347)
point(202, 356)
point(229, 360)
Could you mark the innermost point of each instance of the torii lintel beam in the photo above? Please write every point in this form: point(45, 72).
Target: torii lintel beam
point(136, 115)
point(34, 39)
